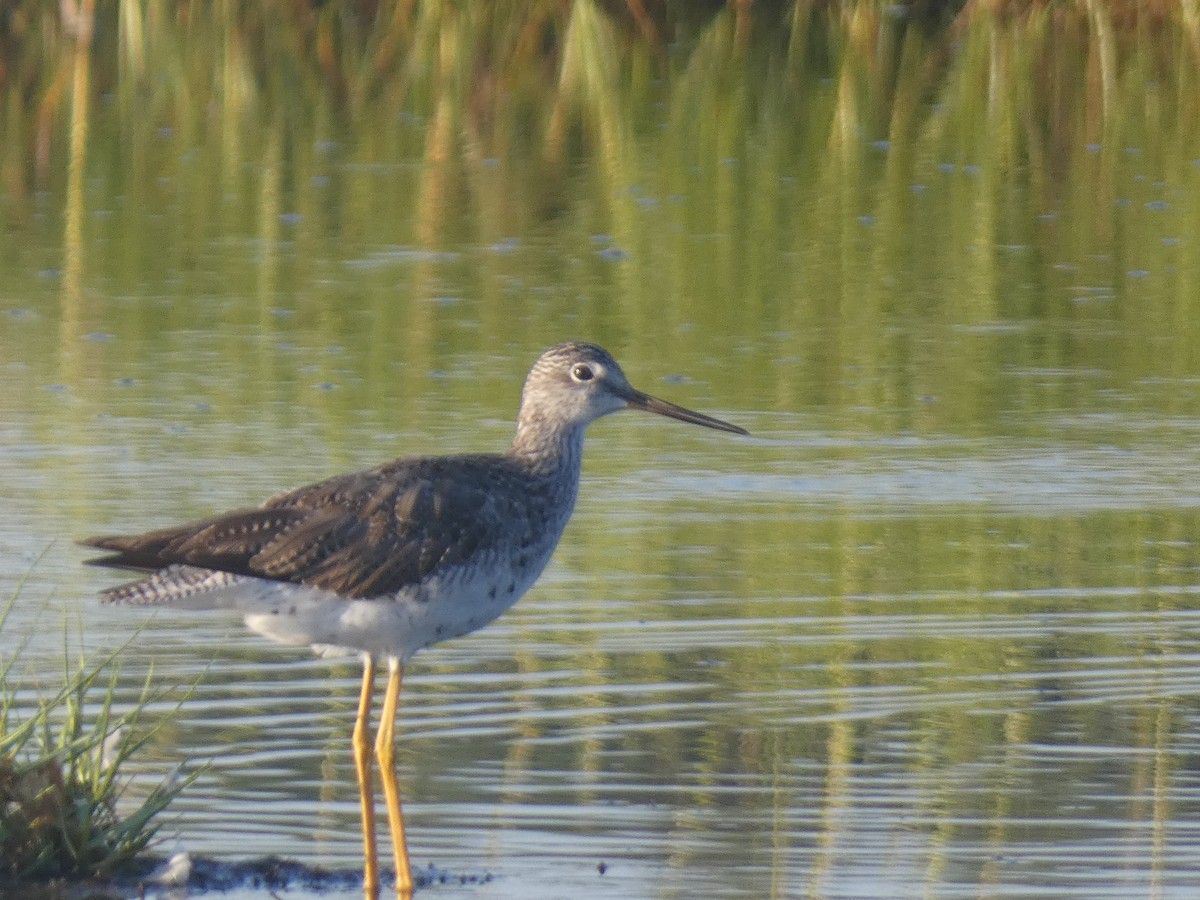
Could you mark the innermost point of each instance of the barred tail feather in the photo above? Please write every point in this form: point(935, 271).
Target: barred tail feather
point(178, 586)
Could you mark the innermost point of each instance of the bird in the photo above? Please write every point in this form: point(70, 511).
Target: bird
point(386, 561)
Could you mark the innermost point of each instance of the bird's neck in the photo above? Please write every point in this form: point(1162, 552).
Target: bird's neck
point(547, 447)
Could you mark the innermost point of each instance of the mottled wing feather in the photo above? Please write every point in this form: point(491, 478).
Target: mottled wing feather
point(317, 534)
point(228, 541)
point(363, 535)
point(212, 543)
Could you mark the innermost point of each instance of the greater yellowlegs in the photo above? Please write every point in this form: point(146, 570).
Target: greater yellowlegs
point(392, 559)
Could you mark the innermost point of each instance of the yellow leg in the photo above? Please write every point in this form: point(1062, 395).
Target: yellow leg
point(362, 767)
point(385, 754)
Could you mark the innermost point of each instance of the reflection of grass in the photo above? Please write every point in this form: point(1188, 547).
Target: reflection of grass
point(695, 124)
point(60, 762)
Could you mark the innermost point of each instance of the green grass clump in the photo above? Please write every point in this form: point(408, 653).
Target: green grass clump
point(60, 763)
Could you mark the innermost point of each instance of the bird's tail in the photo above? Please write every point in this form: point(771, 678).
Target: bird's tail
point(178, 586)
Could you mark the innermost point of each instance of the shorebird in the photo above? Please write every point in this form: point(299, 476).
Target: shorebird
point(389, 560)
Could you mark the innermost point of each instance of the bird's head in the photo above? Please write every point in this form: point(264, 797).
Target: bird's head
point(576, 383)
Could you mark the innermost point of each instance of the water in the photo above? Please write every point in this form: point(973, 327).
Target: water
point(931, 631)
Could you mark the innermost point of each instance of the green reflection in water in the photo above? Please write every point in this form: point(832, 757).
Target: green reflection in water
point(936, 613)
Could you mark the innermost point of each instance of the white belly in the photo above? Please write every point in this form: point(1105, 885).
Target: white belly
point(398, 626)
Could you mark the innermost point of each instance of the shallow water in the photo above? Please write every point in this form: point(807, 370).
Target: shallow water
point(931, 630)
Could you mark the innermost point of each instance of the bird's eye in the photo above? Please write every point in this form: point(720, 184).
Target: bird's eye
point(580, 372)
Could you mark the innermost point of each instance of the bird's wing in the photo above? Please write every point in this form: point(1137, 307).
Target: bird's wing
point(360, 535)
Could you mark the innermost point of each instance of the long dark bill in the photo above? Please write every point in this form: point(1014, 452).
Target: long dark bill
point(638, 400)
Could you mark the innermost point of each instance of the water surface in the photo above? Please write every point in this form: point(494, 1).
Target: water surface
point(931, 631)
